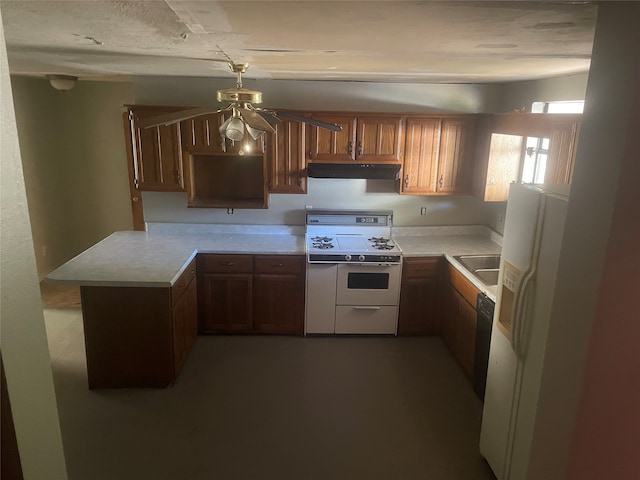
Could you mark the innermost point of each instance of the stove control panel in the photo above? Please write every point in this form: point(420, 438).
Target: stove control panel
point(348, 258)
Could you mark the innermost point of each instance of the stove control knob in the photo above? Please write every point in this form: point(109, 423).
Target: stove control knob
point(361, 258)
point(347, 257)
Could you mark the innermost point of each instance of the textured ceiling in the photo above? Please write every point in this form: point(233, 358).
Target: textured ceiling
point(383, 41)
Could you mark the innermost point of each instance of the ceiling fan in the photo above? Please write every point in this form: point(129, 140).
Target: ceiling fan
point(245, 116)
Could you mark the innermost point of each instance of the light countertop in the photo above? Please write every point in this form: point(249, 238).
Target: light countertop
point(450, 245)
point(143, 259)
point(158, 258)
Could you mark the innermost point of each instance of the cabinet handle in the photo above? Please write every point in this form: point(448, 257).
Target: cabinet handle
point(279, 265)
point(177, 176)
point(359, 149)
point(227, 264)
point(310, 154)
point(350, 148)
point(406, 181)
point(366, 308)
point(441, 181)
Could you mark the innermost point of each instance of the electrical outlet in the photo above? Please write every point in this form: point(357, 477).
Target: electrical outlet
point(423, 211)
point(500, 218)
point(44, 251)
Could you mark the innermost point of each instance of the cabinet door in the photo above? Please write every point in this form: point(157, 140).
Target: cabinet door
point(455, 160)
point(449, 319)
point(466, 338)
point(286, 159)
point(202, 135)
point(328, 146)
point(225, 302)
point(380, 139)
point(421, 154)
point(418, 313)
point(562, 150)
point(278, 303)
point(157, 153)
point(185, 325)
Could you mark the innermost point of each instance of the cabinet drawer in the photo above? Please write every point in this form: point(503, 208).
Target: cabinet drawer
point(355, 319)
point(183, 282)
point(462, 285)
point(213, 263)
point(279, 264)
point(420, 267)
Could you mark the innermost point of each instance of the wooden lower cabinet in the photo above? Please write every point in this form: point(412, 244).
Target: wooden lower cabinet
point(225, 293)
point(459, 318)
point(251, 293)
point(418, 311)
point(278, 297)
point(139, 336)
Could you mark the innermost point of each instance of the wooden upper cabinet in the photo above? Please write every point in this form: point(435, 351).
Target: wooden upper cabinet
point(328, 146)
point(455, 160)
point(565, 132)
point(364, 139)
point(497, 162)
point(438, 155)
point(379, 139)
point(421, 156)
point(286, 159)
point(202, 135)
point(500, 150)
point(156, 152)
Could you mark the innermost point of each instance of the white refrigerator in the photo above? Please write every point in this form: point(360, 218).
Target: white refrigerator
point(532, 239)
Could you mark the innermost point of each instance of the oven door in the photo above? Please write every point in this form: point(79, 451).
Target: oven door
point(365, 284)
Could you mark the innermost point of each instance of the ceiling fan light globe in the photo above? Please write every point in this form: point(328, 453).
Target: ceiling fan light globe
point(235, 129)
point(223, 127)
point(254, 132)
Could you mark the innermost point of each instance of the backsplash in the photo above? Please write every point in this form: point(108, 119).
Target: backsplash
point(327, 193)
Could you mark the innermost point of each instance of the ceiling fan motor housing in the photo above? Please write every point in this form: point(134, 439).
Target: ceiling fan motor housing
point(239, 95)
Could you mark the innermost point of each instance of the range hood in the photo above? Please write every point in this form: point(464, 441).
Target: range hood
point(382, 171)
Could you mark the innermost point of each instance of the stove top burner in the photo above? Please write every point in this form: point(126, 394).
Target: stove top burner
point(383, 246)
point(381, 243)
point(322, 246)
point(321, 239)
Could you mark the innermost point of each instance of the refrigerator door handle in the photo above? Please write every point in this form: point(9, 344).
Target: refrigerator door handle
point(519, 317)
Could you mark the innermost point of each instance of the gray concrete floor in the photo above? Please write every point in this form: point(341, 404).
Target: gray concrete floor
point(274, 407)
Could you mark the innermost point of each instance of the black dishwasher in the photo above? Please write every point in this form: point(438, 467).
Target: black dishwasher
point(484, 319)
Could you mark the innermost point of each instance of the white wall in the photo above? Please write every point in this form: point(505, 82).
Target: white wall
point(23, 340)
point(609, 126)
point(324, 95)
point(517, 95)
point(326, 193)
point(73, 156)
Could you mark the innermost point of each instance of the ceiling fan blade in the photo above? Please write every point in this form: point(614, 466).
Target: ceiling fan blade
point(310, 121)
point(255, 120)
point(269, 117)
point(175, 117)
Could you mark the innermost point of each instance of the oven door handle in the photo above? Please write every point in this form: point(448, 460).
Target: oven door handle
point(366, 308)
point(372, 264)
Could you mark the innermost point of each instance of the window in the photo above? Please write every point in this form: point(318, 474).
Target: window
point(534, 165)
point(570, 106)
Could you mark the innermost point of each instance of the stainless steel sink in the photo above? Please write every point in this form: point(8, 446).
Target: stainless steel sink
point(487, 276)
point(484, 267)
